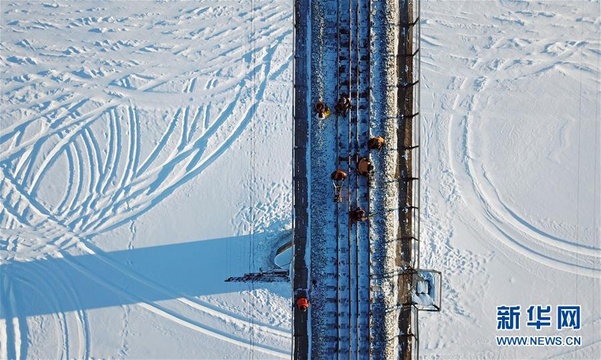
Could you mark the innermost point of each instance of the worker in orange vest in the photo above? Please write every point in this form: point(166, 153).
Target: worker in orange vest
point(343, 104)
point(376, 143)
point(302, 303)
point(338, 175)
point(364, 166)
point(322, 110)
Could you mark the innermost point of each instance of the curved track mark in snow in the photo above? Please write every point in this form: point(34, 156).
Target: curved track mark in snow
point(157, 183)
point(104, 190)
point(70, 238)
point(89, 248)
point(74, 330)
point(11, 321)
point(78, 339)
point(524, 226)
point(499, 219)
point(172, 315)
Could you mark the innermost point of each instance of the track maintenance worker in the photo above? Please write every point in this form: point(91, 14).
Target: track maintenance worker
point(302, 303)
point(322, 110)
point(358, 215)
point(364, 166)
point(376, 143)
point(343, 104)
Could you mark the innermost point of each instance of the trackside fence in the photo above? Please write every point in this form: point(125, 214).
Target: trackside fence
point(408, 67)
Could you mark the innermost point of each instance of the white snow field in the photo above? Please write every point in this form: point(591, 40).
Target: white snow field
point(511, 166)
point(145, 156)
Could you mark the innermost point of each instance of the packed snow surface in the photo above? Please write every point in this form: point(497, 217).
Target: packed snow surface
point(511, 164)
point(145, 157)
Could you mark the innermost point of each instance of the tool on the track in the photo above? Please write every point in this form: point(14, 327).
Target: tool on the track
point(337, 193)
point(322, 110)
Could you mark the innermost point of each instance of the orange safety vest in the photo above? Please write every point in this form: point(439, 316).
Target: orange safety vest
point(302, 302)
point(363, 166)
point(338, 175)
point(376, 143)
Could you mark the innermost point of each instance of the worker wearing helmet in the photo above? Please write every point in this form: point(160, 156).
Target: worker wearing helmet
point(322, 110)
point(302, 303)
point(343, 104)
point(376, 143)
point(364, 166)
point(338, 175)
point(358, 215)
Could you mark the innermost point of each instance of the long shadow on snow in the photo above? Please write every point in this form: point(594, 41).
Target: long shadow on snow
point(117, 278)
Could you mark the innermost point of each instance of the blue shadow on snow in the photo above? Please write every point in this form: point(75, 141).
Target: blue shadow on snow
point(150, 274)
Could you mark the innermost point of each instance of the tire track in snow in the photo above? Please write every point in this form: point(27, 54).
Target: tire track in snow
point(161, 144)
point(78, 145)
point(509, 216)
point(49, 293)
point(164, 310)
point(501, 220)
point(11, 322)
point(63, 124)
point(95, 164)
point(90, 249)
point(440, 227)
point(79, 338)
point(74, 323)
point(73, 336)
point(73, 151)
point(133, 155)
point(50, 159)
point(79, 169)
point(191, 161)
point(69, 136)
point(113, 151)
point(191, 303)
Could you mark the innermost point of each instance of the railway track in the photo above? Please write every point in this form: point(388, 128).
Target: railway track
point(352, 134)
point(354, 263)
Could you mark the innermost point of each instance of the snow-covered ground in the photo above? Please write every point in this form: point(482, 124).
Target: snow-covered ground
point(146, 156)
point(511, 151)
